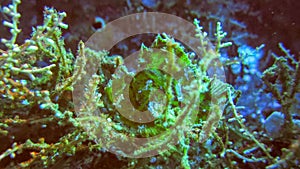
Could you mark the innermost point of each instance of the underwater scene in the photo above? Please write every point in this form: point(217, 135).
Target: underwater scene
point(150, 84)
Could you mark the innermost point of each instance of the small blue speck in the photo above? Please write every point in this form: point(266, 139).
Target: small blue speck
point(25, 102)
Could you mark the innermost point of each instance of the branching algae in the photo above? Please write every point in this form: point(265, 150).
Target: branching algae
point(39, 127)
